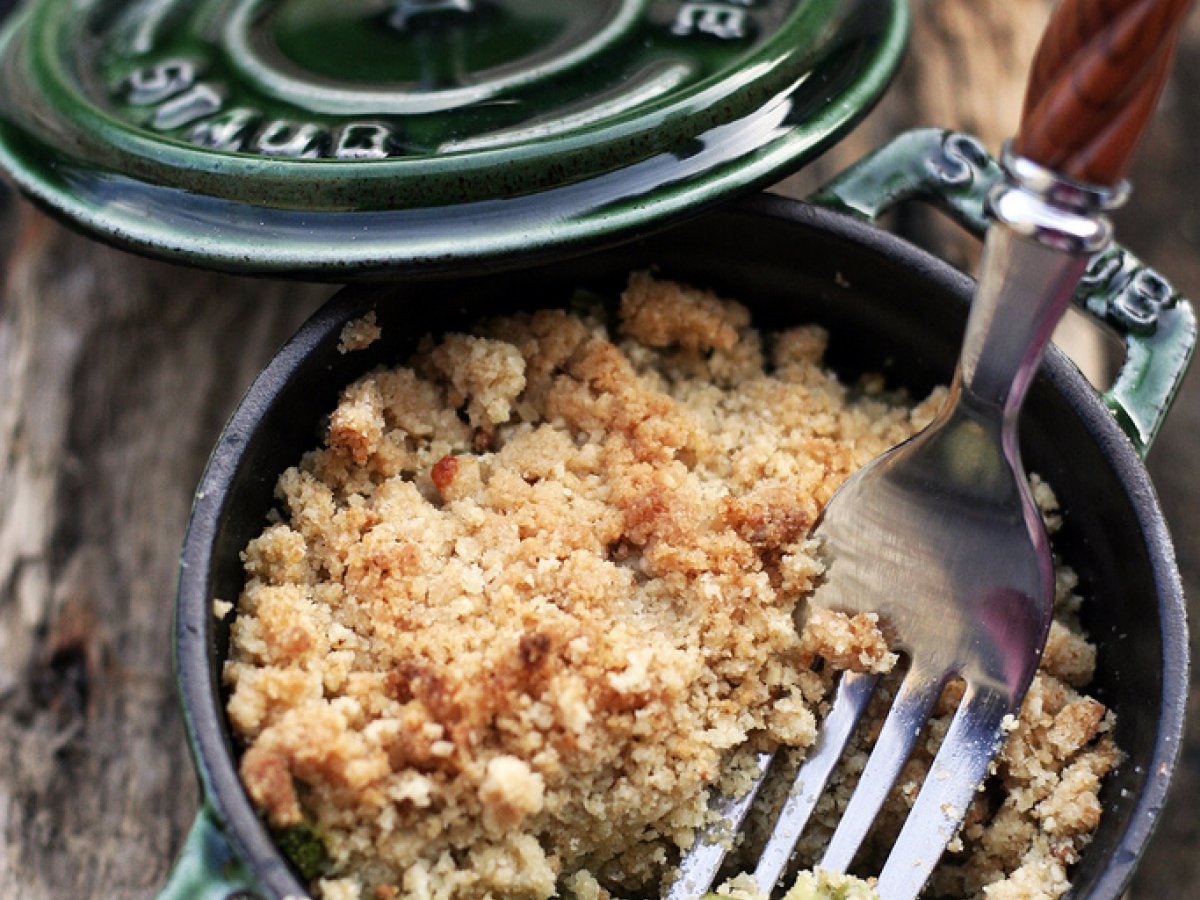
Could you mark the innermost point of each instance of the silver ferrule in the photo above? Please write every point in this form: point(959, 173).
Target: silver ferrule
point(1055, 211)
point(1047, 228)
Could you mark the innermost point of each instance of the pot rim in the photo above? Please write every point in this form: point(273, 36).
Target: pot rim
point(198, 679)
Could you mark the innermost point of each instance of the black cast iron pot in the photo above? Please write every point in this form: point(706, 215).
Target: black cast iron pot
point(890, 307)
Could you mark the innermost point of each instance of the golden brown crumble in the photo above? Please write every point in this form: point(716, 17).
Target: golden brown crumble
point(809, 885)
point(359, 334)
point(534, 600)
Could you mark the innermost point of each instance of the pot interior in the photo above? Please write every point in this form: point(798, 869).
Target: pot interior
point(889, 308)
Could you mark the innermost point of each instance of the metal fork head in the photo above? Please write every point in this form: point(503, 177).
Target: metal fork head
point(941, 538)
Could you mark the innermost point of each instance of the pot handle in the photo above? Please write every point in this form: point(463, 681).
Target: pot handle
point(208, 868)
point(954, 173)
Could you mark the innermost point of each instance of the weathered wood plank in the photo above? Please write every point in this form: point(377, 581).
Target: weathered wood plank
point(117, 375)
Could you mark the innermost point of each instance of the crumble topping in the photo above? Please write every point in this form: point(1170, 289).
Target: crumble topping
point(535, 599)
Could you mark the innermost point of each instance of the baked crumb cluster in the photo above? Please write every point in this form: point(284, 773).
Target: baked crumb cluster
point(533, 601)
point(809, 885)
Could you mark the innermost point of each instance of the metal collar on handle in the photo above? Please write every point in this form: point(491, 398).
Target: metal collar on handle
point(1053, 210)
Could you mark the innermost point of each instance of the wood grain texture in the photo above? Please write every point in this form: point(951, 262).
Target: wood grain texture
point(116, 374)
point(1095, 82)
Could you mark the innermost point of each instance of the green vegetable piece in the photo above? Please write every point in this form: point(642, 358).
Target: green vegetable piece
point(303, 846)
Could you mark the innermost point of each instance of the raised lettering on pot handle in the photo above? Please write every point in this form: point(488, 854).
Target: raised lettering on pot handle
point(207, 868)
point(954, 173)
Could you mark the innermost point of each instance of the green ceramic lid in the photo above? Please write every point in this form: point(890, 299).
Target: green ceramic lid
point(339, 138)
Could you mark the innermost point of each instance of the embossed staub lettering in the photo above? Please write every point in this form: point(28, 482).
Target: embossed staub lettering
point(363, 140)
point(176, 99)
point(727, 20)
point(226, 131)
point(196, 102)
point(154, 84)
point(300, 140)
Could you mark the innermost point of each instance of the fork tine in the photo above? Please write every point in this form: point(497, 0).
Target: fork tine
point(910, 709)
point(975, 736)
point(699, 867)
point(854, 691)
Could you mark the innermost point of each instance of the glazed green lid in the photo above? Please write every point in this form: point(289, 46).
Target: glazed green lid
point(345, 137)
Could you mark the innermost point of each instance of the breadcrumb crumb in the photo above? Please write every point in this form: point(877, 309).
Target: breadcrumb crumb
point(359, 334)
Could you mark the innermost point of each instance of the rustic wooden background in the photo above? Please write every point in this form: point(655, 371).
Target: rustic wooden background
point(116, 374)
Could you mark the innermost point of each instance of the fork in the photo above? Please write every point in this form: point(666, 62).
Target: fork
point(941, 536)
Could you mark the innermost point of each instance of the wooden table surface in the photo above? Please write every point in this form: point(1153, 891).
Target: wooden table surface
point(116, 374)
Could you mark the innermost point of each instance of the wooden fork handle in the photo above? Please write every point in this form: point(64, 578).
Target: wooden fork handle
point(1095, 81)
